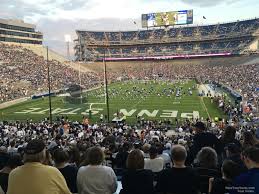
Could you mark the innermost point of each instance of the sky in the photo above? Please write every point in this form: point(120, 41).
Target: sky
point(56, 18)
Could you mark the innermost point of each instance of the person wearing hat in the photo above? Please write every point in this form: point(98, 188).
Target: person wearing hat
point(34, 177)
point(203, 138)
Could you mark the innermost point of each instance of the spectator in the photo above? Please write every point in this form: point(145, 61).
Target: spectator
point(167, 149)
point(122, 155)
point(249, 179)
point(74, 156)
point(11, 149)
point(165, 156)
point(203, 138)
point(61, 158)
point(179, 179)
point(3, 156)
point(13, 161)
point(207, 158)
point(136, 179)
point(249, 140)
point(207, 167)
point(154, 163)
point(96, 178)
point(229, 136)
point(145, 149)
point(233, 153)
point(222, 185)
point(33, 176)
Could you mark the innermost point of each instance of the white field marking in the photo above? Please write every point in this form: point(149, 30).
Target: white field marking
point(91, 104)
point(177, 98)
point(204, 106)
point(176, 102)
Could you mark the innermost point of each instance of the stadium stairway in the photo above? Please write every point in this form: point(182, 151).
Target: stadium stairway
point(42, 51)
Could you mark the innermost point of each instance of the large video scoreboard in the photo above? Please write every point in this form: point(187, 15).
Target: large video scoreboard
point(167, 18)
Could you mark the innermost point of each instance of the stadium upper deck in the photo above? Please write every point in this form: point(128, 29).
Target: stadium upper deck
point(217, 39)
point(19, 32)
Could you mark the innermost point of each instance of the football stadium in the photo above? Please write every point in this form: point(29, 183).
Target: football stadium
point(166, 104)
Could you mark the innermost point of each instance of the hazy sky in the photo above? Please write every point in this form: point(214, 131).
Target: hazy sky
point(55, 18)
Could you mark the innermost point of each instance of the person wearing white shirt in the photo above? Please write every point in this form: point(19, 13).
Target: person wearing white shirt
point(11, 149)
point(96, 178)
point(154, 163)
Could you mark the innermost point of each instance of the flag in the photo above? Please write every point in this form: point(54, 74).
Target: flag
point(204, 17)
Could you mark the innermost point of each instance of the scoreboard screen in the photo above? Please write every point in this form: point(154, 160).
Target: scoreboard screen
point(167, 18)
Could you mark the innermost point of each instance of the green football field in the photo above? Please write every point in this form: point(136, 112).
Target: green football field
point(150, 100)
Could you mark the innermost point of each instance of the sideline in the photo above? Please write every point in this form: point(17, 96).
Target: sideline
point(13, 102)
point(204, 106)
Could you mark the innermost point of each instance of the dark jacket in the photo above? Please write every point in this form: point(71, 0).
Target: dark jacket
point(70, 174)
point(204, 139)
point(137, 182)
point(178, 181)
point(237, 159)
point(220, 186)
point(247, 182)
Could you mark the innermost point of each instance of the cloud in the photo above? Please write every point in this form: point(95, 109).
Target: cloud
point(72, 4)
point(208, 3)
point(54, 38)
point(55, 18)
point(18, 9)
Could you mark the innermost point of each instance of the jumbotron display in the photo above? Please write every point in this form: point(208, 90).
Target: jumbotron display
point(167, 18)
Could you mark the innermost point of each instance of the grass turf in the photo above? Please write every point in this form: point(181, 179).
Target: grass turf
point(151, 96)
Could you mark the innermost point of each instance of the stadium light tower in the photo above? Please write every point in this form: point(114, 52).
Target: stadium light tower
point(68, 39)
point(49, 86)
point(106, 87)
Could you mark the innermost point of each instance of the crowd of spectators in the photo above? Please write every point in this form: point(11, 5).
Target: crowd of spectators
point(241, 78)
point(209, 39)
point(216, 30)
point(145, 159)
point(24, 73)
point(206, 47)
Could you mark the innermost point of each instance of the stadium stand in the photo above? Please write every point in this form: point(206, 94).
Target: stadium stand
point(200, 156)
point(230, 38)
point(17, 62)
point(42, 51)
point(24, 73)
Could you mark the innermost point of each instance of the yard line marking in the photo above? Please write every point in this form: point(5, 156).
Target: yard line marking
point(204, 106)
point(91, 104)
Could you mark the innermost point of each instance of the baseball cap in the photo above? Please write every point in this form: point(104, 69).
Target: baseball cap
point(34, 146)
